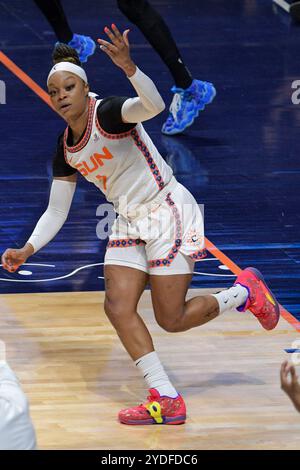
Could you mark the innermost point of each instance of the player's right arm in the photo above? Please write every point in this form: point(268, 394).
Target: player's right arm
point(52, 220)
point(148, 103)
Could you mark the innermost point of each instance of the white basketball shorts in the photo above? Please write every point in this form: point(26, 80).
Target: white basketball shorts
point(166, 240)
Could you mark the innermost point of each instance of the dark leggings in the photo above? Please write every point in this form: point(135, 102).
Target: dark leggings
point(55, 15)
point(157, 33)
point(143, 15)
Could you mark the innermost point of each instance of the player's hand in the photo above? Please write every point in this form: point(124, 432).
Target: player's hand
point(12, 259)
point(118, 49)
point(290, 384)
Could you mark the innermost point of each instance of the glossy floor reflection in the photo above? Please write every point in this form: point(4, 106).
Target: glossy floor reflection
point(240, 158)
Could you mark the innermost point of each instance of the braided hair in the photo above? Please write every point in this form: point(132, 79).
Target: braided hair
point(64, 53)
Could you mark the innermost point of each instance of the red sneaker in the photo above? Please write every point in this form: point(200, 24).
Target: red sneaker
point(157, 410)
point(261, 302)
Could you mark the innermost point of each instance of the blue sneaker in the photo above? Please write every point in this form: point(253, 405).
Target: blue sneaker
point(84, 45)
point(186, 105)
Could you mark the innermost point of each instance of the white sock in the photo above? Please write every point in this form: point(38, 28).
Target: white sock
point(231, 298)
point(155, 375)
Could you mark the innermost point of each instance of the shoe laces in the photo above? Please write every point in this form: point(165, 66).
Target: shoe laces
point(177, 101)
point(151, 399)
point(175, 105)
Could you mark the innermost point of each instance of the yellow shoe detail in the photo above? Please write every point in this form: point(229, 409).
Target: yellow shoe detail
point(155, 411)
point(270, 299)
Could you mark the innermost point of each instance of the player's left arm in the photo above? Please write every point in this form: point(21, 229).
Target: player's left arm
point(149, 102)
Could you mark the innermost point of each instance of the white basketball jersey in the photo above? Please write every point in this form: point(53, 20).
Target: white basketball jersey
point(120, 165)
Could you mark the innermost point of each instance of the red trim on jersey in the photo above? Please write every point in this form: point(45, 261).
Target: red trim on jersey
point(87, 134)
point(125, 243)
point(199, 254)
point(160, 263)
point(150, 161)
point(65, 153)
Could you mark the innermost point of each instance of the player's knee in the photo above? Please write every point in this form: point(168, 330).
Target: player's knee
point(169, 316)
point(170, 326)
point(113, 310)
point(169, 323)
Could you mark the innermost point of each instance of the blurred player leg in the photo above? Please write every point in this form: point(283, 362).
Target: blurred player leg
point(190, 95)
point(54, 13)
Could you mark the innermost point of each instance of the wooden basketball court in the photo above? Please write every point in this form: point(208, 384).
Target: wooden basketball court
point(77, 377)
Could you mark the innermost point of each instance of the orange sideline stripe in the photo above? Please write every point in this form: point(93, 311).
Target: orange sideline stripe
point(25, 78)
point(222, 257)
point(290, 318)
point(209, 245)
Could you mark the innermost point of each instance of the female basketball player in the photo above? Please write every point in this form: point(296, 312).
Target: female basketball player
point(158, 234)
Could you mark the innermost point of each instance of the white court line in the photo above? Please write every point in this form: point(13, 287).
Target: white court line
point(219, 275)
point(99, 277)
point(54, 278)
point(37, 264)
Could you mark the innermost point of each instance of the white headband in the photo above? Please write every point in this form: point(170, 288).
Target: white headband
point(68, 67)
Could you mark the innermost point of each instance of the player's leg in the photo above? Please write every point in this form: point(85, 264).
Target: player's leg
point(179, 241)
point(124, 287)
point(190, 95)
point(54, 13)
point(169, 286)
point(174, 313)
point(151, 24)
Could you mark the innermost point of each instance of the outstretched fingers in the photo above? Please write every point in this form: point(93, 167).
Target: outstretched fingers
point(125, 37)
point(107, 46)
point(118, 40)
